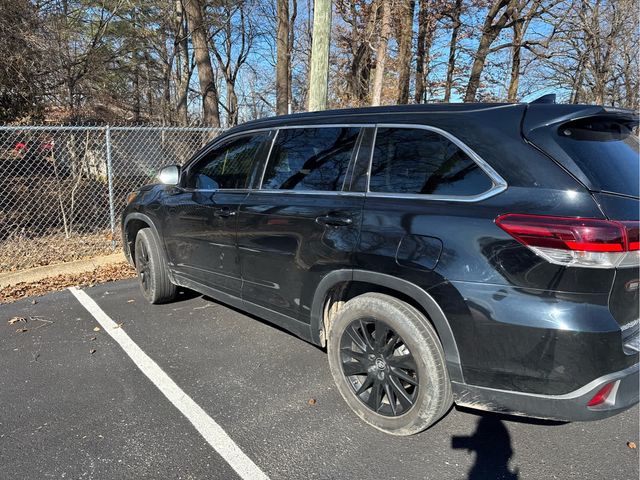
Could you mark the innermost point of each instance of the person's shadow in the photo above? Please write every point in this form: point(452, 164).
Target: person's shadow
point(492, 444)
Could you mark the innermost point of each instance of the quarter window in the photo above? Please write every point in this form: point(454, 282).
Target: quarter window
point(310, 159)
point(407, 160)
point(229, 166)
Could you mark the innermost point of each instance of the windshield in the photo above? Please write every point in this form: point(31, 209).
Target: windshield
point(606, 150)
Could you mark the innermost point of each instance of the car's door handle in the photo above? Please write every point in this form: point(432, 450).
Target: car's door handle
point(334, 220)
point(223, 212)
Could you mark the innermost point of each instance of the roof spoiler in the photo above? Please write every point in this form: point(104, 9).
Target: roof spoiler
point(548, 98)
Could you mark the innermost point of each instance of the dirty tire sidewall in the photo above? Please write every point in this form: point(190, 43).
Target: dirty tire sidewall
point(435, 396)
point(160, 288)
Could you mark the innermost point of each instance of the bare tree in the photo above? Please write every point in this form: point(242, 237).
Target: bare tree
point(601, 23)
point(356, 40)
point(497, 18)
point(231, 45)
point(429, 13)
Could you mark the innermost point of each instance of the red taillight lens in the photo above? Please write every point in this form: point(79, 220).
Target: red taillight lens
point(633, 235)
point(586, 242)
point(589, 235)
point(601, 396)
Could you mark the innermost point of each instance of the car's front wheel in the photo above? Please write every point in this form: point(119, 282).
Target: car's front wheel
point(388, 364)
point(152, 269)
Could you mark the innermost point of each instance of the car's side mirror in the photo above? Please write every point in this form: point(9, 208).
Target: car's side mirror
point(170, 175)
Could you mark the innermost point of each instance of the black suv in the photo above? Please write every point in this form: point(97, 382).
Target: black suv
point(480, 254)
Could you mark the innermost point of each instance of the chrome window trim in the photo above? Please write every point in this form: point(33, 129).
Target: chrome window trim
point(217, 190)
point(499, 184)
point(310, 192)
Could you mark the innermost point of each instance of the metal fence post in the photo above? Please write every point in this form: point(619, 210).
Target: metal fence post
point(112, 210)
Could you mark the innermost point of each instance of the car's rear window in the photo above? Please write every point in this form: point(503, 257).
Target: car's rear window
point(606, 151)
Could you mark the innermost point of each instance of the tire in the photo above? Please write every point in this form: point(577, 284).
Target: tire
point(372, 383)
point(152, 269)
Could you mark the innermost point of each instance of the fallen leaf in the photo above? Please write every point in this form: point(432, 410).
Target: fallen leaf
point(15, 320)
point(105, 273)
point(118, 325)
point(631, 445)
point(34, 302)
point(96, 329)
point(22, 330)
point(92, 351)
point(93, 339)
point(311, 401)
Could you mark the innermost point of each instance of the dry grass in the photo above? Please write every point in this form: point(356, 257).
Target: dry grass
point(23, 253)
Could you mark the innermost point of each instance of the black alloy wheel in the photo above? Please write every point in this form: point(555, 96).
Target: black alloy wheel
point(152, 268)
point(143, 267)
point(379, 366)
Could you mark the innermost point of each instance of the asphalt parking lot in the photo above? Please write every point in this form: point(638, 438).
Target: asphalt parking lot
point(74, 404)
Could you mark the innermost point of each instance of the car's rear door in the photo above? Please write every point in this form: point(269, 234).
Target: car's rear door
point(300, 224)
point(200, 225)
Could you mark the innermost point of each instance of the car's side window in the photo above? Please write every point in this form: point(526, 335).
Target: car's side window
point(419, 161)
point(310, 158)
point(228, 166)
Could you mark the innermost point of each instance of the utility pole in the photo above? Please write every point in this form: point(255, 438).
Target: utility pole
point(319, 76)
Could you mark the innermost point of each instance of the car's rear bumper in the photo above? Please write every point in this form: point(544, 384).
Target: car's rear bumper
point(570, 406)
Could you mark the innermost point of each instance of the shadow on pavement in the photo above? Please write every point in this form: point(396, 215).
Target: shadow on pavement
point(492, 444)
point(185, 294)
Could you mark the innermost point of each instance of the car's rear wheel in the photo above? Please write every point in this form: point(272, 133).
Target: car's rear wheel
point(388, 364)
point(152, 269)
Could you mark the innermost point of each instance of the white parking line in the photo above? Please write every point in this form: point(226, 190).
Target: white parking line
point(208, 428)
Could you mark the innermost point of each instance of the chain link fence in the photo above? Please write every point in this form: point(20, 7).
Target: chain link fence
point(62, 189)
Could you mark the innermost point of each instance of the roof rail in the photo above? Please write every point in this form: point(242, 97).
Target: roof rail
point(548, 98)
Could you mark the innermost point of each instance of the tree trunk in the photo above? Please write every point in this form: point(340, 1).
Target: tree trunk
point(232, 104)
point(319, 76)
point(453, 45)
point(518, 34)
point(183, 65)
point(208, 89)
point(167, 116)
point(426, 30)
point(283, 61)
point(381, 54)
point(490, 32)
point(404, 51)
point(136, 88)
point(292, 32)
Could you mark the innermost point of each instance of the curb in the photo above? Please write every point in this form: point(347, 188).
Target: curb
point(40, 273)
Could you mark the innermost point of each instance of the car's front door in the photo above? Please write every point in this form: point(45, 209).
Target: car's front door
point(200, 225)
point(301, 223)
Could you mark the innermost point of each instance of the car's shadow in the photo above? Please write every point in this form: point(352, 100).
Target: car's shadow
point(184, 294)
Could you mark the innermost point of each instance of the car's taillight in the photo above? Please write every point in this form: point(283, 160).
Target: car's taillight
point(576, 242)
point(601, 395)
